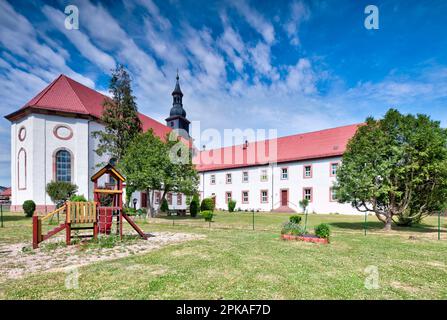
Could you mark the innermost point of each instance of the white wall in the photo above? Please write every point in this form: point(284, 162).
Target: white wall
point(321, 182)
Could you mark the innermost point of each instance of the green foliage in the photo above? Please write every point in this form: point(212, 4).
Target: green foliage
point(29, 207)
point(231, 205)
point(105, 200)
point(304, 204)
point(164, 206)
point(207, 204)
point(60, 191)
point(295, 219)
point(194, 206)
point(207, 215)
point(292, 229)
point(78, 198)
point(120, 117)
point(130, 211)
point(323, 231)
point(141, 212)
point(149, 165)
point(396, 167)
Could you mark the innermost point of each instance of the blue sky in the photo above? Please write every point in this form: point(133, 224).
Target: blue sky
point(293, 66)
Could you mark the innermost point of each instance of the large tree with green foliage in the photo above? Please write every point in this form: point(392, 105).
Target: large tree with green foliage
point(396, 167)
point(120, 117)
point(151, 164)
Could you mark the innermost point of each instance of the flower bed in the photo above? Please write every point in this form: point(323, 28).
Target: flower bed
point(305, 238)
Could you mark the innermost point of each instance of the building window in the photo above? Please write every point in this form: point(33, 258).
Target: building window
point(264, 176)
point(332, 194)
point(284, 173)
point(21, 169)
point(170, 199)
point(245, 176)
point(228, 178)
point(213, 179)
point(63, 166)
point(334, 168)
point(143, 203)
point(307, 194)
point(244, 196)
point(179, 199)
point(227, 196)
point(264, 196)
point(157, 197)
point(307, 173)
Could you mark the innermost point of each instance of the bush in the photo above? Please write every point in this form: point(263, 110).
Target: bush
point(130, 211)
point(292, 229)
point(60, 191)
point(164, 206)
point(295, 219)
point(207, 215)
point(78, 198)
point(231, 205)
point(207, 205)
point(322, 231)
point(29, 207)
point(142, 212)
point(194, 206)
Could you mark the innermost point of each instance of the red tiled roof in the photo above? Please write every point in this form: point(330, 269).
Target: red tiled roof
point(69, 96)
point(312, 145)
point(6, 192)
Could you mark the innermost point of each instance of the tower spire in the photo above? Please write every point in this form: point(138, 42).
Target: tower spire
point(177, 115)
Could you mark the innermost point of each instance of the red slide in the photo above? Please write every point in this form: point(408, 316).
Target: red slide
point(134, 225)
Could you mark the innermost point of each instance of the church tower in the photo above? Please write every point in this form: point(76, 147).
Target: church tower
point(177, 116)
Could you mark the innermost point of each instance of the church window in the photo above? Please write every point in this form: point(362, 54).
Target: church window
point(63, 166)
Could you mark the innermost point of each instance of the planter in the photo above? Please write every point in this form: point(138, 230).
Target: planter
point(305, 238)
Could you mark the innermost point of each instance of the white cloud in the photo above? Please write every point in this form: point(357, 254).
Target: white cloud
point(299, 12)
point(255, 20)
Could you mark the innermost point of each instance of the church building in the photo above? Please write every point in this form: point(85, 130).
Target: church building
point(51, 139)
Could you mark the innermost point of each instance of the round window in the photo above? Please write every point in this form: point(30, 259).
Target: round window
point(22, 133)
point(63, 132)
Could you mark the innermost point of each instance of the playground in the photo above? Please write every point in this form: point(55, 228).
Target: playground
point(191, 259)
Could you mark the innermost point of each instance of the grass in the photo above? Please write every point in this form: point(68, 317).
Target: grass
point(234, 262)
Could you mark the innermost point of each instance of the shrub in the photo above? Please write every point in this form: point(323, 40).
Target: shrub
point(142, 212)
point(207, 205)
point(322, 231)
point(78, 198)
point(60, 191)
point(231, 205)
point(164, 206)
point(193, 208)
point(130, 211)
point(295, 219)
point(293, 229)
point(207, 215)
point(29, 207)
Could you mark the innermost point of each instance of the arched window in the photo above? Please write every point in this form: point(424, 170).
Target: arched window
point(21, 169)
point(63, 166)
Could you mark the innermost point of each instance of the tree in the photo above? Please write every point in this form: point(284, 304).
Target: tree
point(148, 164)
point(120, 117)
point(396, 168)
point(60, 191)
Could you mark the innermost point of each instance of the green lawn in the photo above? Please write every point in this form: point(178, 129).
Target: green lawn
point(234, 262)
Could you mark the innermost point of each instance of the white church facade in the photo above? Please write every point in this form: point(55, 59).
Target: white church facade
point(51, 139)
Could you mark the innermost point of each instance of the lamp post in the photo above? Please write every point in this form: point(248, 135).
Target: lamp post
point(134, 201)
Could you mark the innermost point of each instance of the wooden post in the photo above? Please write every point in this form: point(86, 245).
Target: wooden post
point(36, 229)
point(68, 234)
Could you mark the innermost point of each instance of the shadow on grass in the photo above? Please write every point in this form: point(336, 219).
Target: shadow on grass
point(379, 226)
point(8, 217)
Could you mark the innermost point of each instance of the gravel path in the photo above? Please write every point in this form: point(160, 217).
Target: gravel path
point(18, 260)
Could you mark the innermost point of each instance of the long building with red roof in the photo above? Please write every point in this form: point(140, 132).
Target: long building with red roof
point(276, 174)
